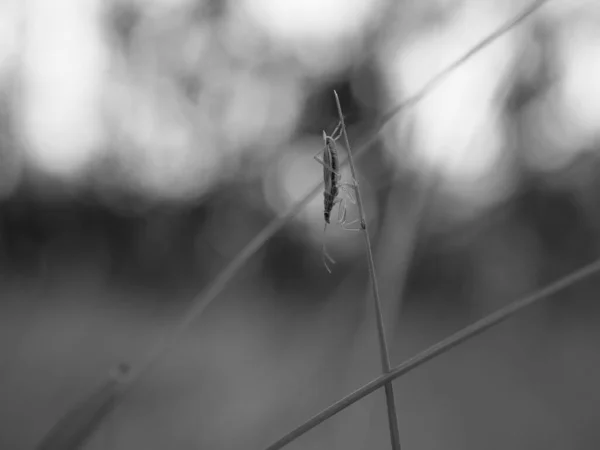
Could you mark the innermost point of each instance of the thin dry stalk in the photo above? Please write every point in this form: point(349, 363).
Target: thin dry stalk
point(73, 430)
point(383, 347)
point(207, 296)
point(437, 79)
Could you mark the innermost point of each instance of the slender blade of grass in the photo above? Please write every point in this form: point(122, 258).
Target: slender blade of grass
point(73, 430)
point(439, 348)
point(383, 346)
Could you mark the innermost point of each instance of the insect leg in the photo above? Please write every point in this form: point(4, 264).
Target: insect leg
point(348, 188)
point(341, 209)
point(342, 217)
point(324, 164)
point(337, 131)
point(345, 225)
point(345, 187)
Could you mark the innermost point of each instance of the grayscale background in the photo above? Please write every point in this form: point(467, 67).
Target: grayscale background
point(144, 143)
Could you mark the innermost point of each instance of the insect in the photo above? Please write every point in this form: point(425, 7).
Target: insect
point(332, 187)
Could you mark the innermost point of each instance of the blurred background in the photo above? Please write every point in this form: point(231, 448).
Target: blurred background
point(144, 143)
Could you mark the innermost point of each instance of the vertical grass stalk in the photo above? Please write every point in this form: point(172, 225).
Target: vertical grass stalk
point(383, 347)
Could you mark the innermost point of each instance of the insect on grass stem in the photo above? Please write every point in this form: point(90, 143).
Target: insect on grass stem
point(332, 186)
point(383, 348)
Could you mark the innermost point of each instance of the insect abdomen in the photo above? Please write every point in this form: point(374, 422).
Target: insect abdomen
point(328, 199)
point(330, 176)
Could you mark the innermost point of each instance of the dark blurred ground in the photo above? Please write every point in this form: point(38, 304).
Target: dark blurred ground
point(98, 259)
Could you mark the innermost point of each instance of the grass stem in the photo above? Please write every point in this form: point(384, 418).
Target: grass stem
point(383, 347)
point(439, 348)
point(75, 428)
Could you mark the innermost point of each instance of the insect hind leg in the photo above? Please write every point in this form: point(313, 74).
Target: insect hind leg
point(326, 257)
point(324, 164)
point(342, 211)
point(348, 188)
